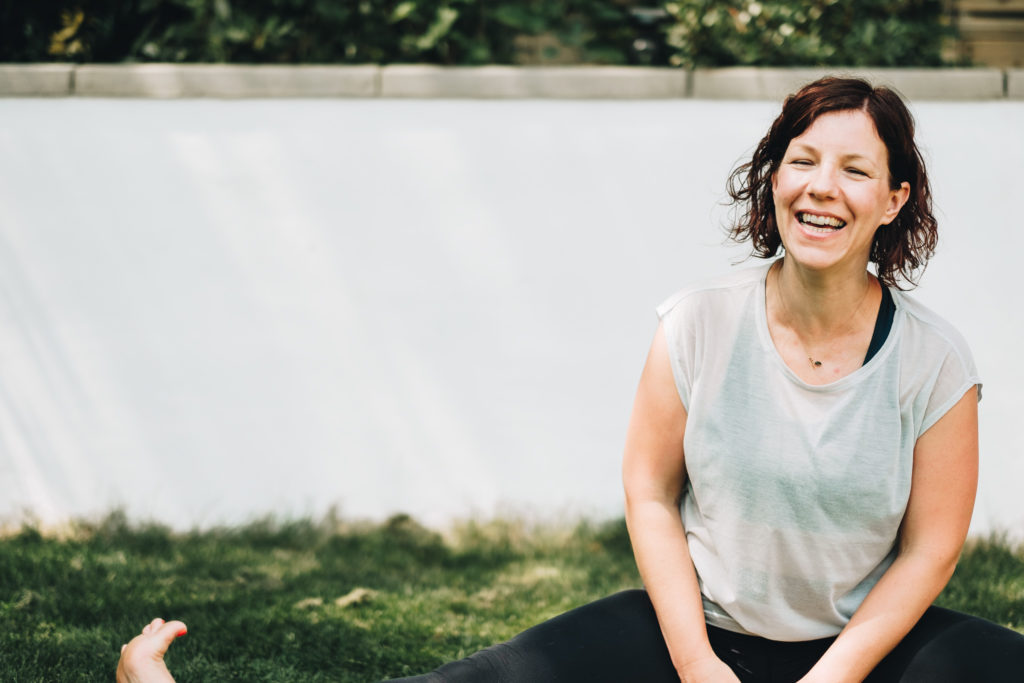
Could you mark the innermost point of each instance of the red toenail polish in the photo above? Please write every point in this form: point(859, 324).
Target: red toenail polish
point(181, 633)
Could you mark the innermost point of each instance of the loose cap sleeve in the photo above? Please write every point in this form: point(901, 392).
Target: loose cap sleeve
point(936, 363)
point(678, 326)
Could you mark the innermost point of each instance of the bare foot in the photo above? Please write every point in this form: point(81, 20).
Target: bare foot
point(142, 660)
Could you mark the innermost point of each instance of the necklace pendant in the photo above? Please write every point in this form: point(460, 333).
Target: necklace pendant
point(815, 363)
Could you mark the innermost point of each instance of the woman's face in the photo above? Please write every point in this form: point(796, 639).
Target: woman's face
point(832, 192)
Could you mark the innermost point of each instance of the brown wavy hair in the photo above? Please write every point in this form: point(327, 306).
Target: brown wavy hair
point(900, 249)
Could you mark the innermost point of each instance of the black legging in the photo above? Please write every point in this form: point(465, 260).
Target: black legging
point(617, 640)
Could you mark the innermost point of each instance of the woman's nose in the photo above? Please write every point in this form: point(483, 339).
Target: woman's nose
point(823, 183)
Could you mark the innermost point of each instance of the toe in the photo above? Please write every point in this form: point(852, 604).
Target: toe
point(168, 632)
point(156, 623)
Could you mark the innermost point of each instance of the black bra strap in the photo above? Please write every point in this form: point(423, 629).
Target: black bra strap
point(883, 323)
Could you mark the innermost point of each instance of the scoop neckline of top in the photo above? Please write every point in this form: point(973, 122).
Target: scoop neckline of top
point(857, 375)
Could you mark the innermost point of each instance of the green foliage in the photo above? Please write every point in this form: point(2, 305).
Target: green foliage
point(802, 32)
point(691, 33)
point(307, 31)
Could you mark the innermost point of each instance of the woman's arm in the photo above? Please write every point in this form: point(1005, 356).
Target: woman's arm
point(653, 473)
point(933, 531)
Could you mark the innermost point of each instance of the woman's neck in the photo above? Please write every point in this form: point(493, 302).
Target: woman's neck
point(821, 305)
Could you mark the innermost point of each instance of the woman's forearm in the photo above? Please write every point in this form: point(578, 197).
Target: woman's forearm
point(663, 558)
point(887, 614)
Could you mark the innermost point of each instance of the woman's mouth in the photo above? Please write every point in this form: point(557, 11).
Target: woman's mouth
point(818, 223)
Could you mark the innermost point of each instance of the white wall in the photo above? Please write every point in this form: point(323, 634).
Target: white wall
point(211, 310)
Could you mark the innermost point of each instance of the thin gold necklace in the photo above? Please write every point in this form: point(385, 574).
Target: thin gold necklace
point(778, 288)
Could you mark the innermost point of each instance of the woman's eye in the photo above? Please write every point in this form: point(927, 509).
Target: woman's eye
point(801, 162)
point(856, 171)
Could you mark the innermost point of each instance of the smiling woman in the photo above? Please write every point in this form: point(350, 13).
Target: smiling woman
point(801, 460)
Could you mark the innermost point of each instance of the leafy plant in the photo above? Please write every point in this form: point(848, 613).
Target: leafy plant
point(819, 32)
point(681, 32)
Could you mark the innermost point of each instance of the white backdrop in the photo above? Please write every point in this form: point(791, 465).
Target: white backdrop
point(212, 310)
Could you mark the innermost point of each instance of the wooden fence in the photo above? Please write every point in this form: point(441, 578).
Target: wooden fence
point(992, 31)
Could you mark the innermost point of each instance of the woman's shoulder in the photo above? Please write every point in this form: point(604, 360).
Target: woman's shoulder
point(934, 354)
point(936, 364)
point(716, 291)
point(928, 327)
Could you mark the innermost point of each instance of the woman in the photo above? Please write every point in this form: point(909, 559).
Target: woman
point(801, 461)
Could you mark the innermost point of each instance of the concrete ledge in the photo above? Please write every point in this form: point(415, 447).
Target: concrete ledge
point(225, 80)
point(571, 82)
point(429, 81)
point(36, 80)
point(1015, 84)
point(749, 83)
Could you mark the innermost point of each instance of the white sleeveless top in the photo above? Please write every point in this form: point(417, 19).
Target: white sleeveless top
point(795, 492)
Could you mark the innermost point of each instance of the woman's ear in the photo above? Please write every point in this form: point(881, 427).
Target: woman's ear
point(897, 198)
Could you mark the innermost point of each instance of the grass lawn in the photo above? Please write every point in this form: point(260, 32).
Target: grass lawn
point(330, 601)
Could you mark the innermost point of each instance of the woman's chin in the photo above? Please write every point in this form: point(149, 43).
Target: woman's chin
point(830, 256)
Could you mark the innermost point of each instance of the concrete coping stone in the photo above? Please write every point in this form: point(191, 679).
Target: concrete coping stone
point(36, 80)
point(1015, 84)
point(492, 81)
point(224, 80)
point(568, 82)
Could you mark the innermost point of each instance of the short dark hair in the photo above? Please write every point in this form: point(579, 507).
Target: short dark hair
point(899, 249)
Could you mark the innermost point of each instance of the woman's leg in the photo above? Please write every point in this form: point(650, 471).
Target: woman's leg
point(613, 639)
point(950, 647)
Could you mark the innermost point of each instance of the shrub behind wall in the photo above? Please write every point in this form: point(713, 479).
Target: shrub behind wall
point(684, 32)
point(821, 32)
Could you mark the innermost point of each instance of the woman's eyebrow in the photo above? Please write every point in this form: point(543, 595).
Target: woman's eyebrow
point(852, 156)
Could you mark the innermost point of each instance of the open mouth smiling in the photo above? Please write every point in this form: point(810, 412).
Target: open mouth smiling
point(818, 223)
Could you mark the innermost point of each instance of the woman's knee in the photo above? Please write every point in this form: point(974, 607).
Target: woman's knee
point(950, 647)
point(616, 638)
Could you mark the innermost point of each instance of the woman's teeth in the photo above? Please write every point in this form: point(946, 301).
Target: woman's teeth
point(820, 224)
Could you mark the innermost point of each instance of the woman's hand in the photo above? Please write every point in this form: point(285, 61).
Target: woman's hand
point(142, 659)
point(707, 670)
